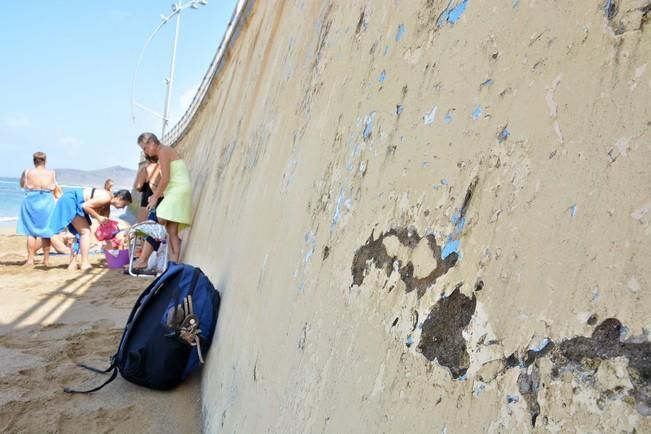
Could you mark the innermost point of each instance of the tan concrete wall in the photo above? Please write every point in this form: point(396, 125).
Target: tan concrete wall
point(299, 157)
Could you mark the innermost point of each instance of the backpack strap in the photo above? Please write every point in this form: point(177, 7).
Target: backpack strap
point(195, 277)
point(95, 389)
point(178, 301)
point(99, 371)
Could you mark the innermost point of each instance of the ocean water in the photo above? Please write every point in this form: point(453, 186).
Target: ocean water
point(11, 196)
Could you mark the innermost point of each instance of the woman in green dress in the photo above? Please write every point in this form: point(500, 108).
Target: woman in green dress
point(175, 210)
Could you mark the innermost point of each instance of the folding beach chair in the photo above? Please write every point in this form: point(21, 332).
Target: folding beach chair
point(157, 233)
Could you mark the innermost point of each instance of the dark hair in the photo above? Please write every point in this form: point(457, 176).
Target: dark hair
point(151, 159)
point(39, 158)
point(145, 137)
point(124, 195)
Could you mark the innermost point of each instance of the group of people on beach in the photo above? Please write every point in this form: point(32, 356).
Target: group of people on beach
point(50, 217)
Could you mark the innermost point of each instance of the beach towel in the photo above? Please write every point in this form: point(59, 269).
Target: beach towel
point(34, 214)
point(177, 202)
point(67, 208)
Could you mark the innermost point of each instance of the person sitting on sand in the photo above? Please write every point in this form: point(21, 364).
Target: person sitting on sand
point(59, 243)
point(74, 210)
point(146, 182)
point(175, 210)
point(70, 243)
point(37, 205)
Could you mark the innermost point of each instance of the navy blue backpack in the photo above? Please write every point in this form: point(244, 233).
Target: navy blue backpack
point(168, 332)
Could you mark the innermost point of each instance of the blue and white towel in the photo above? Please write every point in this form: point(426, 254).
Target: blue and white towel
point(69, 206)
point(35, 213)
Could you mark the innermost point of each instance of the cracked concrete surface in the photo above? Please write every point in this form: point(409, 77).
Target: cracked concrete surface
point(325, 165)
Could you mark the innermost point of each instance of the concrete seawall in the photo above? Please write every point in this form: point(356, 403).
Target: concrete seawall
point(428, 216)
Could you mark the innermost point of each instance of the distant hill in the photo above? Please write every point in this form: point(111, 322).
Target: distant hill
point(121, 176)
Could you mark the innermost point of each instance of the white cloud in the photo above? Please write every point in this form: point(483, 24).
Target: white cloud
point(187, 96)
point(18, 120)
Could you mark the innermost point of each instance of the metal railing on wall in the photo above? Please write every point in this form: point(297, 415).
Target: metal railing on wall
point(233, 28)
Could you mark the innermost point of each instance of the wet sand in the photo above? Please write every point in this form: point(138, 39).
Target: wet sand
point(50, 319)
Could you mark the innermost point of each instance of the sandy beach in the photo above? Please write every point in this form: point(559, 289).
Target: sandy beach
point(50, 319)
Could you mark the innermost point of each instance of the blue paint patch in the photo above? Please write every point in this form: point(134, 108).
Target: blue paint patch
point(458, 221)
point(456, 12)
point(444, 181)
point(479, 388)
point(409, 341)
point(487, 83)
point(342, 202)
point(310, 239)
point(476, 114)
point(429, 117)
point(443, 18)
point(452, 246)
point(399, 109)
point(337, 213)
point(515, 4)
point(448, 116)
point(386, 49)
point(511, 399)
point(452, 14)
point(383, 75)
point(400, 32)
point(573, 210)
point(368, 125)
point(357, 151)
point(453, 243)
point(458, 227)
point(541, 346)
point(503, 135)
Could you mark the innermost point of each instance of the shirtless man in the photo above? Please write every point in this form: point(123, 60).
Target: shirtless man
point(39, 184)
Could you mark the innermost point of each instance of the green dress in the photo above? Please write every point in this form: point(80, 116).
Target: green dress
point(176, 205)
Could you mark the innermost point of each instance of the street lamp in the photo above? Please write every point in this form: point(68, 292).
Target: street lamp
point(177, 8)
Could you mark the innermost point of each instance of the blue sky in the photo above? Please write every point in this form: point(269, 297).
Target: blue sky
point(67, 71)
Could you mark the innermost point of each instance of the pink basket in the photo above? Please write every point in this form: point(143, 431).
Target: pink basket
point(117, 261)
point(107, 230)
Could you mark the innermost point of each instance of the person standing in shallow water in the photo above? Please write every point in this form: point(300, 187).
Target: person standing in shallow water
point(39, 184)
point(175, 210)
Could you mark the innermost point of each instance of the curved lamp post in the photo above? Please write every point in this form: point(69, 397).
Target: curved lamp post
point(177, 8)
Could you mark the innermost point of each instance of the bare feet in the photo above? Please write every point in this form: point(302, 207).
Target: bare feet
point(138, 264)
point(29, 263)
point(72, 266)
point(85, 267)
